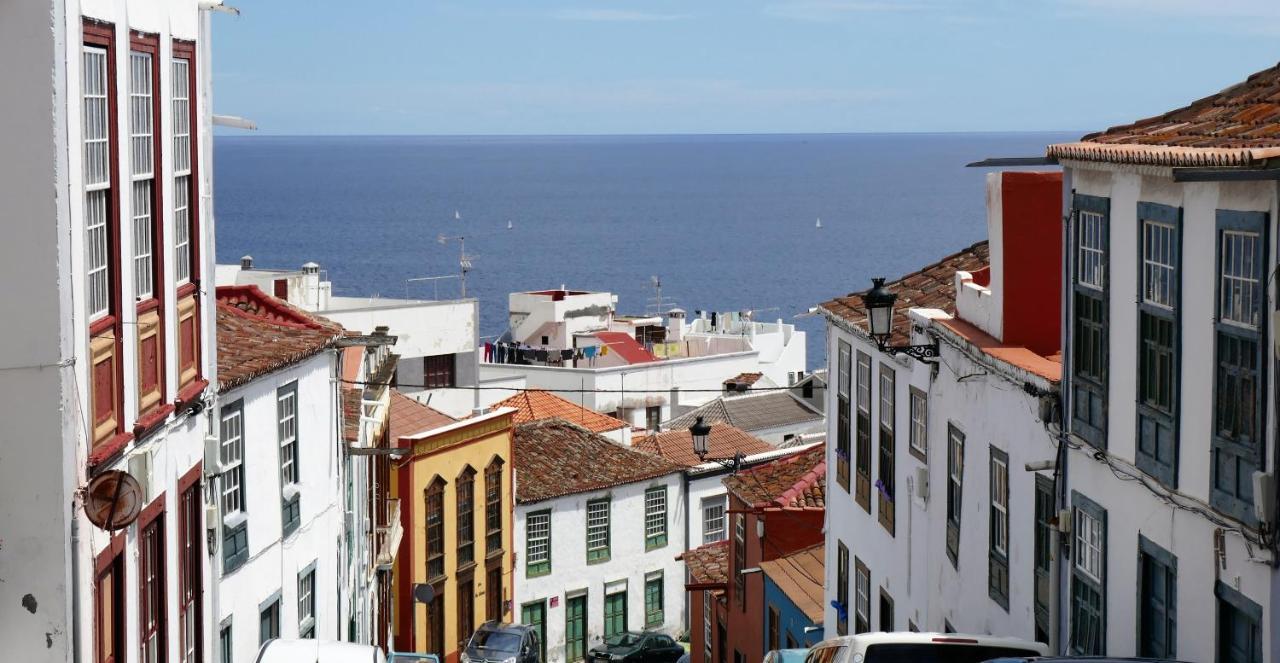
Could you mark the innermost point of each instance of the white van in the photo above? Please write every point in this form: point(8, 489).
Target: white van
point(318, 651)
point(909, 647)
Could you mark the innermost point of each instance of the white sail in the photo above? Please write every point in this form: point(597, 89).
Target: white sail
point(509, 226)
point(456, 215)
point(818, 224)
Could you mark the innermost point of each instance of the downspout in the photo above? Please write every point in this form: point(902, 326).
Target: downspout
point(1058, 617)
point(688, 528)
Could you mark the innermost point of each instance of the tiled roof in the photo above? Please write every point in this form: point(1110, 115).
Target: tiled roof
point(626, 347)
point(258, 334)
point(555, 457)
point(723, 442)
point(931, 287)
point(1239, 126)
point(351, 414)
point(408, 416)
point(1049, 368)
point(751, 412)
point(536, 405)
point(744, 378)
point(792, 482)
point(708, 564)
point(799, 575)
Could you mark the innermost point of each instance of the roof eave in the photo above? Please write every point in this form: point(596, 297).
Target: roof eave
point(1163, 155)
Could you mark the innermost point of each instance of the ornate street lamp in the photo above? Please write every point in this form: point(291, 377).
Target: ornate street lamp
point(700, 431)
point(879, 301)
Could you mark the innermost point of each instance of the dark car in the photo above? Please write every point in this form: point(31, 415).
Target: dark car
point(636, 647)
point(1076, 659)
point(495, 642)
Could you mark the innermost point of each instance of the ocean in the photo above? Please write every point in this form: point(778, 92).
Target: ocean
point(723, 222)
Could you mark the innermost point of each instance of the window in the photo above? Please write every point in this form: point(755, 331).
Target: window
point(493, 506)
point(1089, 322)
point(142, 157)
point(885, 471)
point(287, 432)
point(435, 529)
point(918, 442)
point(108, 605)
point(708, 609)
point(98, 122)
point(235, 537)
point(190, 569)
point(713, 514)
point(861, 597)
point(615, 614)
point(655, 517)
point(465, 500)
point(1088, 578)
point(538, 543)
point(1158, 363)
point(844, 427)
point(435, 626)
point(575, 628)
point(1239, 627)
point(269, 620)
point(1157, 601)
point(1045, 527)
point(862, 489)
point(842, 588)
point(307, 603)
point(438, 371)
point(1239, 401)
point(886, 611)
point(225, 643)
point(653, 417)
point(739, 559)
point(998, 530)
point(598, 530)
point(183, 148)
point(955, 491)
point(774, 628)
point(466, 609)
point(151, 592)
point(653, 600)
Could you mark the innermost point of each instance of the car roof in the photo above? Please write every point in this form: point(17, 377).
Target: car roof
point(317, 651)
point(911, 637)
point(499, 626)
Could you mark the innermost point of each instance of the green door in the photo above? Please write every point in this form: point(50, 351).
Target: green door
point(615, 613)
point(535, 615)
point(575, 628)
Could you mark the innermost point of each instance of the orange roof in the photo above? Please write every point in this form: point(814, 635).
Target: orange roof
point(799, 575)
point(626, 347)
point(409, 417)
point(1049, 368)
point(536, 405)
point(258, 334)
point(723, 442)
point(797, 481)
point(708, 564)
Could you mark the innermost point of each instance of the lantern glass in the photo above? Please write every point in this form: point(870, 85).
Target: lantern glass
point(699, 431)
point(879, 303)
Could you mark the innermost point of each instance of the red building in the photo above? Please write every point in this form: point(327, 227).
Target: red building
point(774, 510)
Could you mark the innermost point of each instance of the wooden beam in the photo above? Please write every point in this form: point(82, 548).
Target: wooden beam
point(1006, 162)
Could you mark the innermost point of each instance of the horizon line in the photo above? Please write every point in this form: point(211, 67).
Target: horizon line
point(257, 134)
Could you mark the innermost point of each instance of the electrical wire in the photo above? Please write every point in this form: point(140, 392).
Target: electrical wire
point(399, 385)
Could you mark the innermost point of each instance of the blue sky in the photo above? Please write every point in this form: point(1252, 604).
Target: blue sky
point(728, 66)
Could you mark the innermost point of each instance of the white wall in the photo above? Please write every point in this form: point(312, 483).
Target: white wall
point(274, 564)
point(628, 560)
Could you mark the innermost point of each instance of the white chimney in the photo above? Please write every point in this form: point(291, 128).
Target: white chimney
point(310, 286)
point(246, 262)
point(675, 325)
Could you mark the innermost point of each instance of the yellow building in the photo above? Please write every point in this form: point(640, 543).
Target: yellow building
point(456, 506)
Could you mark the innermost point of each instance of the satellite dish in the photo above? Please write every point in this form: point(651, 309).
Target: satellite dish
point(424, 593)
point(113, 500)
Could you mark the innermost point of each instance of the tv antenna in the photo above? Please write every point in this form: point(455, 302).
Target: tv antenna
point(464, 258)
point(657, 304)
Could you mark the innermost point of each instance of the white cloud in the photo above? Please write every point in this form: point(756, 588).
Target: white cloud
point(615, 15)
point(830, 10)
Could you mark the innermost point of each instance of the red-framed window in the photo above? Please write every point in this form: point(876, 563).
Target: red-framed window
point(108, 603)
point(190, 566)
point(146, 212)
point(153, 643)
point(100, 152)
point(186, 214)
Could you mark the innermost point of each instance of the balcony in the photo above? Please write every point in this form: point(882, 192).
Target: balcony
point(386, 537)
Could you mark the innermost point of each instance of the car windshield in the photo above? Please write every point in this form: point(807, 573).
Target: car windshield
point(934, 652)
point(622, 640)
point(496, 640)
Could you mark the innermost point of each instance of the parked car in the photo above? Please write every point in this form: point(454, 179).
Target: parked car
point(785, 656)
point(411, 657)
point(909, 647)
point(495, 642)
point(637, 647)
point(1076, 659)
point(317, 651)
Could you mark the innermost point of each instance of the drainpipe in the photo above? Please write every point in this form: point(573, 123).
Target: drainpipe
point(688, 526)
point(1058, 606)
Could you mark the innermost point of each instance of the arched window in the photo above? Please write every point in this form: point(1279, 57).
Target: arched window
point(493, 506)
point(435, 529)
point(466, 487)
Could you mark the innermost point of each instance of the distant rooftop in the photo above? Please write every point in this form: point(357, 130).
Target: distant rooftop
point(408, 416)
point(796, 574)
point(723, 442)
point(258, 334)
point(793, 482)
point(707, 564)
point(537, 405)
point(554, 458)
point(750, 412)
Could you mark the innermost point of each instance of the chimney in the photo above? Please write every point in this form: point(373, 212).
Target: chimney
point(246, 262)
point(310, 286)
point(675, 325)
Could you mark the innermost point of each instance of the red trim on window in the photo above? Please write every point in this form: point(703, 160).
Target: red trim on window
point(150, 44)
point(148, 424)
point(108, 450)
point(151, 511)
point(191, 391)
point(153, 517)
point(110, 562)
point(190, 561)
point(187, 50)
point(114, 547)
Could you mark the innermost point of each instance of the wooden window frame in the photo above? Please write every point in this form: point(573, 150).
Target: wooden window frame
point(655, 533)
point(1044, 549)
point(862, 451)
point(493, 592)
point(918, 419)
point(191, 566)
point(1088, 391)
point(844, 413)
point(774, 628)
point(433, 518)
point(955, 491)
point(187, 327)
point(110, 562)
point(1083, 585)
point(465, 509)
point(1231, 599)
point(466, 591)
point(575, 648)
point(655, 618)
point(720, 502)
point(739, 555)
point(271, 608)
point(435, 373)
point(541, 567)
point(861, 597)
point(998, 558)
point(614, 597)
point(307, 602)
point(290, 474)
point(493, 507)
point(1158, 429)
point(152, 605)
point(886, 467)
point(842, 588)
point(234, 556)
point(1150, 553)
point(886, 616)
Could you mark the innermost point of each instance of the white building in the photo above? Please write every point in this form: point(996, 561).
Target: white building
point(598, 528)
point(933, 521)
point(573, 342)
point(436, 340)
point(281, 481)
point(1171, 402)
point(108, 220)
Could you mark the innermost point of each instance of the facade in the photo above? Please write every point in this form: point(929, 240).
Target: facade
point(933, 522)
point(598, 527)
point(282, 517)
point(793, 599)
point(107, 367)
point(572, 342)
point(454, 486)
point(775, 509)
point(1170, 403)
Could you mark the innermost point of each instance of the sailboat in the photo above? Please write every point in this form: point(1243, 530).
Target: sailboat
point(818, 224)
point(456, 216)
point(509, 226)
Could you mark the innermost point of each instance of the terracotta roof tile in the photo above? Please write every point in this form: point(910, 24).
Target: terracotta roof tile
point(792, 482)
point(258, 334)
point(409, 416)
point(931, 287)
point(723, 442)
point(798, 575)
point(1239, 126)
point(555, 457)
point(708, 564)
point(1049, 368)
point(745, 378)
point(535, 405)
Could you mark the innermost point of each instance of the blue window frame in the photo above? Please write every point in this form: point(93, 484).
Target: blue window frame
point(1239, 627)
point(1088, 577)
point(1159, 345)
point(1157, 601)
point(1090, 295)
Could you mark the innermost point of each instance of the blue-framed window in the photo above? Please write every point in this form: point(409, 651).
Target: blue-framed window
point(1088, 577)
point(1157, 601)
point(1090, 289)
point(844, 413)
point(1239, 627)
point(1240, 361)
point(998, 529)
point(955, 491)
point(1159, 351)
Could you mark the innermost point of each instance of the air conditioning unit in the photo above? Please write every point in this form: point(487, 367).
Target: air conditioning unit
point(212, 462)
point(1264, 497)
point(140, 469)
point(922, 483)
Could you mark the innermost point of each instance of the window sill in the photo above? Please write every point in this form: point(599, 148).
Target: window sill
point(108, 450)
point(538, 573)
point(234, 520)
point(654, 545)
point(598, 560)
point(150, 423)
point(191, 392)
point(290, 492)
